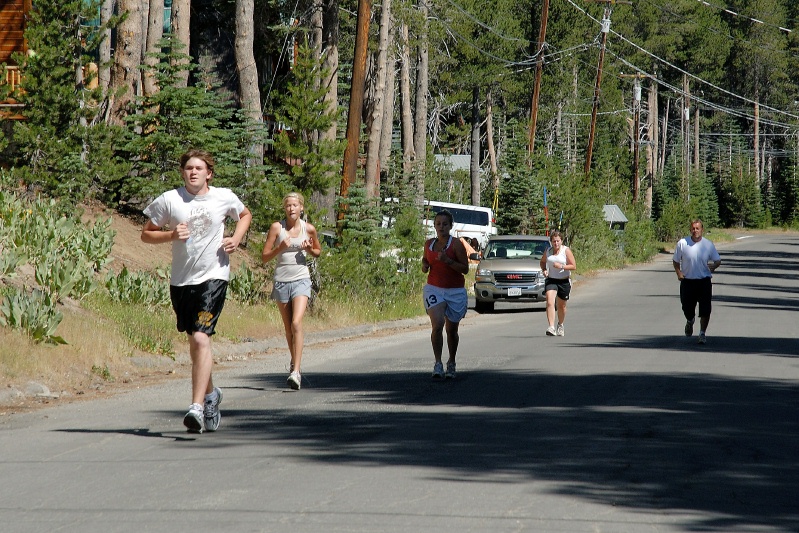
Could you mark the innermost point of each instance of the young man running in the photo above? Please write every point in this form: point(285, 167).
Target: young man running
point(195, 215)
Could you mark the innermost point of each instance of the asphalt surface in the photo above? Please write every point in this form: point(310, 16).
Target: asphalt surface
point(623, 425)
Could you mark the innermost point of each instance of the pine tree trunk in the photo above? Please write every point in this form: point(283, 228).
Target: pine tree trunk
point(155, 31)
point(492, 153)
point(474, 167)
point(386, 139)
point(406, 117)
point(126, 75)
point(651, 146)
point(330, 32)
point(104, 73)
point(317, 16)
point(420, 126)
point(372, 174)
point(249, 93)
point(181, 18)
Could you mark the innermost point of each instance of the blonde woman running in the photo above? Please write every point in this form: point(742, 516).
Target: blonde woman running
point(290, 240)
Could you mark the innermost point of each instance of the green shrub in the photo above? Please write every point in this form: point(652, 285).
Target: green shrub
point(34, 313)
point(142, 287)
point(247, 286)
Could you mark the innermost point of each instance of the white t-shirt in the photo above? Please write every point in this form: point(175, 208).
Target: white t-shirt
point(693, 257)
point(201, 257)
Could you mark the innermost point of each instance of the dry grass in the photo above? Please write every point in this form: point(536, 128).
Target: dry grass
point(93, 343)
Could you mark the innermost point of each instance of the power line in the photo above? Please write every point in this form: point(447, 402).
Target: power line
point(484, 25)
point(685, 72)
point(731, 12)
point(707, 103)
point(715, 31)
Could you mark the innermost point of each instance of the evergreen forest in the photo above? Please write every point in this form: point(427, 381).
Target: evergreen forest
point(669, 109)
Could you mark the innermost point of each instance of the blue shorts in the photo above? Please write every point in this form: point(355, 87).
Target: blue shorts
point(286, 291)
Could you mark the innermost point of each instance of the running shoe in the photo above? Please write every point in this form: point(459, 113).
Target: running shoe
point(194, 419)
point(450, 373)
point(702, 338)
point(551, 331)
point(294, 380)
point(560, 331)
point(689, 328)
point(212, 414)
point(438, 370)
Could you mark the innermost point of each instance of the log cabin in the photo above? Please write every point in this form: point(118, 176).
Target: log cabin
point(13, 14)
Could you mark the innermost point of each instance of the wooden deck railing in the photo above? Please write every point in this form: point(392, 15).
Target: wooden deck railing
point(12, 77)
point(9, 107)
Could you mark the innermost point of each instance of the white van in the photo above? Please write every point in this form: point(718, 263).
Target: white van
point(470, 220)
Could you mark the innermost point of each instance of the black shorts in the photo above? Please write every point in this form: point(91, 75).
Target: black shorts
point(563, 286)
point(197, 307)
point(696, 291)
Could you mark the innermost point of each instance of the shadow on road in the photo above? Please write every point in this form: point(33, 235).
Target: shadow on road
point(722, 450)
point(719, 346)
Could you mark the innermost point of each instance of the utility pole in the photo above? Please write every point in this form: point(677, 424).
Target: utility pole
point(686, 88)
point(636, 126)
point(356, 101)
point(539, 65)
point(592, 131)
point(605, 29)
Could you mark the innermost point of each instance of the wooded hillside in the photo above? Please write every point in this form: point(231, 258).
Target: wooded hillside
point(668, 108)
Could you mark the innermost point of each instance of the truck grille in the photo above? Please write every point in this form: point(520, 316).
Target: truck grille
point(515, 278)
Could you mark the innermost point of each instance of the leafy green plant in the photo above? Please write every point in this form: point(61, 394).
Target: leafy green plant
point(103, 372)
point(247, 286)
point(34, 312)
point(65, 277)
point(146, 288)
point(9, 259)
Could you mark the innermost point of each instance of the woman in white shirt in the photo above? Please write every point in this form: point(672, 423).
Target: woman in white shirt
point(290, 240)
point(557, 264)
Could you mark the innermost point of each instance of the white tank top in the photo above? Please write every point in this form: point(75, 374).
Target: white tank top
point(560, 257)
point(291, 265)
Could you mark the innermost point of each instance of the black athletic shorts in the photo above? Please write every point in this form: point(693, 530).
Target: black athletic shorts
point(563, 286)
point(197, 307)
point(696, 291)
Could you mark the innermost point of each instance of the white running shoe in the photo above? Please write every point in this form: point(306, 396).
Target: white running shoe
point(211, 411)
point(450, 373)
point(194, 419)
point(438, 370)
point(560, 331)
point(294, 380)
point(702, 339)
point(551, 331)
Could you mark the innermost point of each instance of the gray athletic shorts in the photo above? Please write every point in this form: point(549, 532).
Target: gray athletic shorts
point(286, 291)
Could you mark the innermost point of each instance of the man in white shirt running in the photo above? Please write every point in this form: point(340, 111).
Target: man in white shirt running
point(695, 259)
point(195, 215)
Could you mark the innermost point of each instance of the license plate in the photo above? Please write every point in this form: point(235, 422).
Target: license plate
point(514, 291)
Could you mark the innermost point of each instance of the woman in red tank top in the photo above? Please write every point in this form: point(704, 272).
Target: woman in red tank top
point(445, 300)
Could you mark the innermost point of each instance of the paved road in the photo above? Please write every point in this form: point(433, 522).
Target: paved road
point(624, 425)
